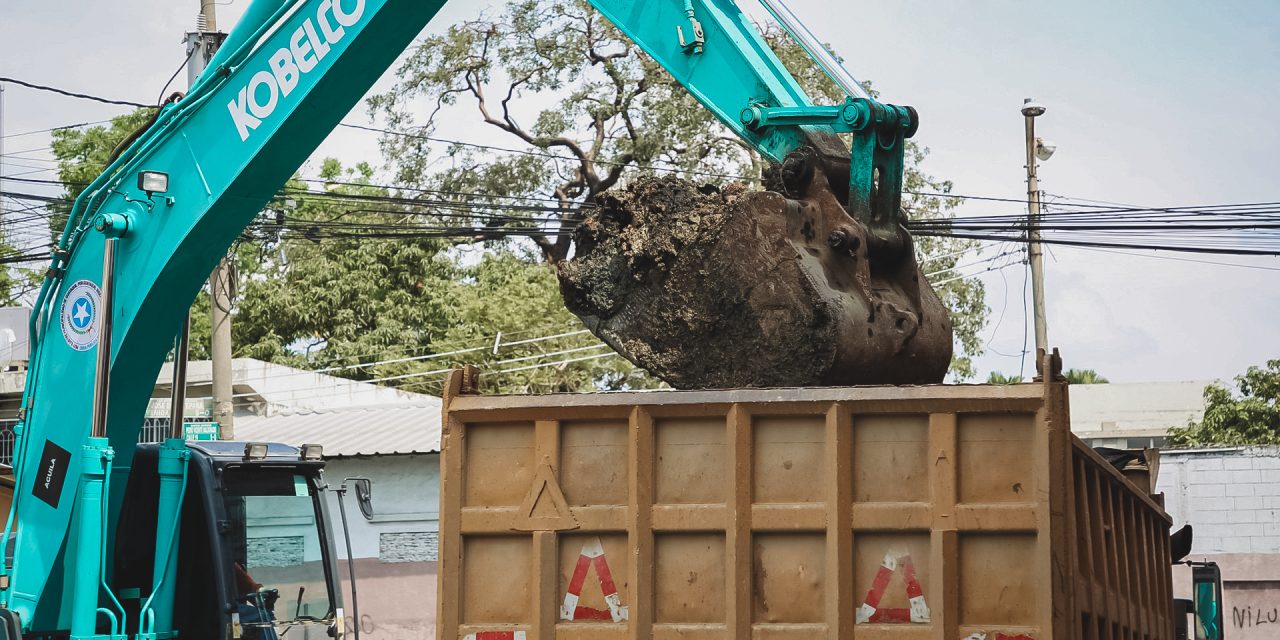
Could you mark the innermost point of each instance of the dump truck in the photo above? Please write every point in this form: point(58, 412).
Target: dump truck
point(938, 511)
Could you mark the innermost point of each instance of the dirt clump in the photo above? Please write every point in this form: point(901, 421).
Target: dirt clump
point(658, 275)
point(720, 288)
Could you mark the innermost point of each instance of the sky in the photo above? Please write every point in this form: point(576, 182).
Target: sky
point(1151, 103)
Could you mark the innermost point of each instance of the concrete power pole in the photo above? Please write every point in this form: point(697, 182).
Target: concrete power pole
point(201, 45)
point(1035, 251)
point(1, 148)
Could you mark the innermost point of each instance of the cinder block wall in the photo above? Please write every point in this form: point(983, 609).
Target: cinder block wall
point(1230, 496)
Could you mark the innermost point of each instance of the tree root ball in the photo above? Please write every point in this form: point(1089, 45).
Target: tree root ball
point(711, 288)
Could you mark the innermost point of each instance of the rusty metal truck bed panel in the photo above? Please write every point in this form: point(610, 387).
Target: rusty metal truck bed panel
point(947, 512)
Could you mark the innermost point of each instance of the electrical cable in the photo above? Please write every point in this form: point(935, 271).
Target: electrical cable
point(185, 61)
point(319, 390)
point(51, 129)
point(73, 94)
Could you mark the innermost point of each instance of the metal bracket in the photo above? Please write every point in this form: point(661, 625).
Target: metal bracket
point(699, 38)
point(877, 154)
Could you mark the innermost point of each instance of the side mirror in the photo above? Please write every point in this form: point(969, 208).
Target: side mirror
point(1206, 595)
point(364, 496)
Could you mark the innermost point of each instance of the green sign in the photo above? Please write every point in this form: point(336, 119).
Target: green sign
point(200, 430)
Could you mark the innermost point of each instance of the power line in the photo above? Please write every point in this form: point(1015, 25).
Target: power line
point(51, 129)
point(1178, 259)
point(436, 372)
point(490, 345)
point(971, 275)
point(1004, 308)
point(971, 264)
point(1171, 237)
point(1165, 229)
point(1222, 250)
point(73, 94)
point(557, 364)
point(542, 154)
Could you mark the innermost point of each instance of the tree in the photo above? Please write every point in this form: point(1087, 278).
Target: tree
point(592, 111)
point(509, 293)
point(1250, 415)
point(999, 378)
point(1084, 376)
point(403, 309)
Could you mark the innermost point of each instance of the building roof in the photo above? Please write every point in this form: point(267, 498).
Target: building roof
point(357, 431)
point(1134, 409)
point(266, 388)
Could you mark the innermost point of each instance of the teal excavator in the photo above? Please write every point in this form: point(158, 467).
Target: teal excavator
point(108, 540)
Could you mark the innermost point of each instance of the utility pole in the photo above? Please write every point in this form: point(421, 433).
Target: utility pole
point(201, 45)
point(1, 149)
point(1036, 148)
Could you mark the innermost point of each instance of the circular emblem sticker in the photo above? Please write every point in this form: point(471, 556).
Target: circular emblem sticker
point(80, 309)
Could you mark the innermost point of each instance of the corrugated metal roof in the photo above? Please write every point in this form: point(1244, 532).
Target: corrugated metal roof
point(364, 431)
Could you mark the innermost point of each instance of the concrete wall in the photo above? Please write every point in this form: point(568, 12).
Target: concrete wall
point(1230, 496)
point(1232, 499)
point(395, 550)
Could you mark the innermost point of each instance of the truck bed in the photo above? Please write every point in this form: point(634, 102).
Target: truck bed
point(948, 511)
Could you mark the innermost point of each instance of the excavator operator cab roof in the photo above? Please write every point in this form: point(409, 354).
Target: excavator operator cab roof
point(231, 451)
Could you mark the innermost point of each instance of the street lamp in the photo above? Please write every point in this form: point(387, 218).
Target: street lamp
point(1037, 148)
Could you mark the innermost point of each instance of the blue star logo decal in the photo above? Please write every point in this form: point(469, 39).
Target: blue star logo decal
point(82, 314)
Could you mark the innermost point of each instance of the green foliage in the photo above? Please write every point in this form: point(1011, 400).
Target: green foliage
point(560, 79)
point(340, 301)
point(1084, 376)
point(82, 154)
point(1251, 415)
point(1073, 376)
point(511, 293)
point(14, 283)
point(403, 310)
point(999, 378)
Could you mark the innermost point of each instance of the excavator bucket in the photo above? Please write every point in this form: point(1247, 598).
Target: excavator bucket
point(717, 288)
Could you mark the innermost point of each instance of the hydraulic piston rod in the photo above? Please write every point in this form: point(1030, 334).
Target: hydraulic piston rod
point(815, 48)
point(102, 374)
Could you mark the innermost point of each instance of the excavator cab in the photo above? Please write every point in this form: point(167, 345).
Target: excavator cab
point(255, 554)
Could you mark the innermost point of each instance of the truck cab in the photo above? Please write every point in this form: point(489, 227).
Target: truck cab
point(255, 554)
